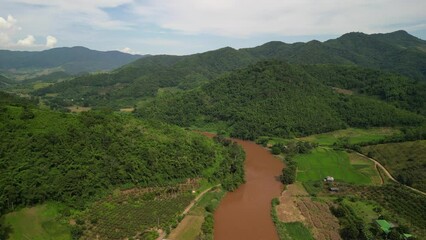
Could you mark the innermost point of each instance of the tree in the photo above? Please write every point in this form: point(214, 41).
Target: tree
point(350, 232)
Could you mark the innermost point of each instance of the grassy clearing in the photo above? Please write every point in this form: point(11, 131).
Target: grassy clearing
point(406, 161)
point(324, 162)
point(78, 109)
point(127, 110)
point(38, 223)
point(365, 167)
point(355, 135)
point(296, 231)
point(40, 85)
point(293, 231)
point(368, 211)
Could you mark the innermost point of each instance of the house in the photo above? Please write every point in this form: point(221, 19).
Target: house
point(384, 225)
point(407, 236)
point(329, 179)
point(333, 189)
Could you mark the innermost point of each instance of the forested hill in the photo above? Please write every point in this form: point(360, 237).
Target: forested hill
point(47, 155)
point(73, 60)
point(395, 52)
point(279, 99)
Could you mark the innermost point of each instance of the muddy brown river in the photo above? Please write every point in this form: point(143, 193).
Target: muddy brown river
point(246, 213)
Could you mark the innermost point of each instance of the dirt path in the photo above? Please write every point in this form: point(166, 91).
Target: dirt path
point(196, 199)
point(382, 180)
point(388, 173)
point(188, 228)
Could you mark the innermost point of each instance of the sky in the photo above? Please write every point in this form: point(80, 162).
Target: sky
point(190, 26)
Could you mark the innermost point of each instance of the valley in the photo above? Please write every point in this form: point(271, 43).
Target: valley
point(315, 140)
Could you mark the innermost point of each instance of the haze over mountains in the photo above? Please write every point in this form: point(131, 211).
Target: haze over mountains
point(72, 60)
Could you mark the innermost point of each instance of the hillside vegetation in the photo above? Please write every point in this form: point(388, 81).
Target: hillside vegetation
point(406, 161)
point(4, 81)
point(48, 155)
point(274, 99)
point(396, 52)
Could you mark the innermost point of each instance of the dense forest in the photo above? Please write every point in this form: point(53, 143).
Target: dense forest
point(276, 99)
point(70, 158)
point(396, 52)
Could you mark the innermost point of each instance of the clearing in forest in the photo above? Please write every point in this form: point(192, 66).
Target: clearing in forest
point(323, 162)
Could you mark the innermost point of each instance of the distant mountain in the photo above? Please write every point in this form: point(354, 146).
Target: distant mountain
point(72, 60)
point(397, 52)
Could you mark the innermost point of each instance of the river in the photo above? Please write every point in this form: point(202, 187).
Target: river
point(246, 212)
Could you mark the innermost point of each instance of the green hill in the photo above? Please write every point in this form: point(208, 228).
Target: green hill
point(75, 158)
point(406, 161)
point(396, 52)
point(274, 99)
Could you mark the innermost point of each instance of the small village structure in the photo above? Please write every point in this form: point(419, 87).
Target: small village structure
point(329, 179)
point(386, 227)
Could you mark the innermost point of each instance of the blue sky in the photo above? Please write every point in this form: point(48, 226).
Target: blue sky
point(190, 26)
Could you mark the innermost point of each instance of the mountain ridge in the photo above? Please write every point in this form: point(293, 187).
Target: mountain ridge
point(73, 60)
point(144, 77)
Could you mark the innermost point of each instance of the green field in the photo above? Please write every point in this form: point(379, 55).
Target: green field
point(406, 161)
point(291, 230)
point(38, 223)
point(323, 162)
point(297, 231)
point(355, 135)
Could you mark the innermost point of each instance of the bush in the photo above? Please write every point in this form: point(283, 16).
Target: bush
point(76, 232)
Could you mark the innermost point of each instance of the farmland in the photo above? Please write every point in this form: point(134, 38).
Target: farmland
point(400, 205)
point(354, 135)
point(42, 222)
point(406, 161)
point(323, 162)
point(135, 212)
point(194, 224)
point(300, 217)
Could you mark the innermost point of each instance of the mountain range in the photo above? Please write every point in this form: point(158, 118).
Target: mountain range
point(396, 52)
point(72, 60)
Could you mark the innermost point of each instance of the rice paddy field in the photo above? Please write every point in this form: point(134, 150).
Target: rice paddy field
point(323, 162)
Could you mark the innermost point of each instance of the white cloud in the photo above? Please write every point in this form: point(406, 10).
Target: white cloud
point(7, 23)
point(242, 18)
point(126, 50)
point(10, 31)
point(51, 41)
point(27, 42)
point(8, 28)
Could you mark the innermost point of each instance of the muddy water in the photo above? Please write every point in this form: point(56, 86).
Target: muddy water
point(245, 213)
